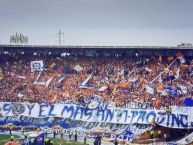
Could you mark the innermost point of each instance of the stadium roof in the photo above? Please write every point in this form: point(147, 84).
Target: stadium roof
point(95, 47)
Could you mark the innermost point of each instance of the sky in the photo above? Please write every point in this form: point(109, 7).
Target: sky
point(98, 22)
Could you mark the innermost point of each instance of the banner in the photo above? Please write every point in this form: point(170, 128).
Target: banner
point(84, 84)
point(37, 65)
point(38, 138)
point(78, 68)
point(186, 140)
point(149, 90)
point(111, 115)
point(94, 102)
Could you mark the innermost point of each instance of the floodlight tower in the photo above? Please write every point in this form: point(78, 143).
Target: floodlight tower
point(60, 33)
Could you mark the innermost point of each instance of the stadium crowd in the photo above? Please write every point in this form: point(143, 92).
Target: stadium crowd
point(137, 81)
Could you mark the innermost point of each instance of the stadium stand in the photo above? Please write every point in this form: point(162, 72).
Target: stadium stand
point(133, 78)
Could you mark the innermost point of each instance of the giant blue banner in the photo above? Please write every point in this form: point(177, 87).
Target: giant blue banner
point(88, 118)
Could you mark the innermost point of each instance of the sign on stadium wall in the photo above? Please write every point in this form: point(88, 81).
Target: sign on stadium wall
point(51, 113)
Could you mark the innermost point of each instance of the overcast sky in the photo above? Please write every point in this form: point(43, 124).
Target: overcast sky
point(98, 22)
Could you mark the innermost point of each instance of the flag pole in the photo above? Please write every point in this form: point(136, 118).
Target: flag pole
point(162, 71)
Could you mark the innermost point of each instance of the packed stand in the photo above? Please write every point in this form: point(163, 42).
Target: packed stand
point(142, 82)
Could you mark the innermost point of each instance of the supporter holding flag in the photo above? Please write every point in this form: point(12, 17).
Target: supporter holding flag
point(160, 59)
point(54, 98)
point(172, 91)
point(177, 73)
point(180, 56)
point(54, 66)
point(170, 76)
point(124, 85)
point(166, 69)
point(150, 89)
point(34, 139)
point(160, 79)
point(157, 103)
point(170, 58)
point(59, 82)
point(160, 88)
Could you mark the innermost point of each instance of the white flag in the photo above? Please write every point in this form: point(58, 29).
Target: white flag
point(103, 88)
point(160, 79)
point(78, 68)
point(83, 85)
point(184, 89)
point(20, 95)
point(149, 90)
point(49, 81)
point(177, 73)
point(37, 65)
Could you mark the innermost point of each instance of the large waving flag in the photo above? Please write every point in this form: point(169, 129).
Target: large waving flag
point(49, 81)
point(84, 84)
point(149, 89)
point(172, 91)
point(59, 82)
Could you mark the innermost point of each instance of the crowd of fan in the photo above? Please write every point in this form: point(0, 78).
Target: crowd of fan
point(125, 78)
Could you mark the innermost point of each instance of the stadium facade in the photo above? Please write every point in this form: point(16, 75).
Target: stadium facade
point(98, 50)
